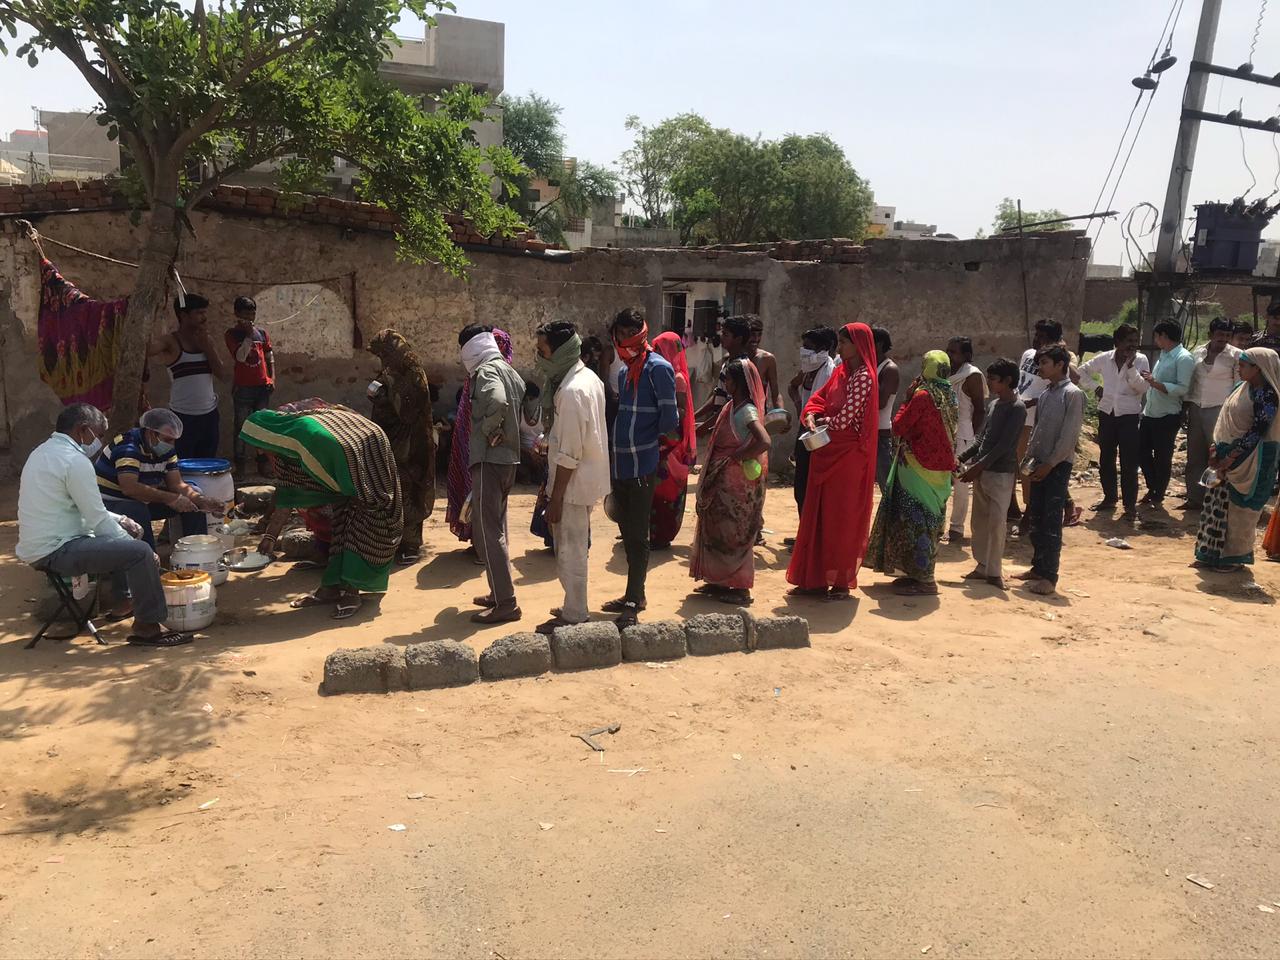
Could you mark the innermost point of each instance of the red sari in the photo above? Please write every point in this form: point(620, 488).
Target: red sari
point(675, 457)
point(836, 521)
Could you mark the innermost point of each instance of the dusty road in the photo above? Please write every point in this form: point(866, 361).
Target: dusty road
point(981, 775)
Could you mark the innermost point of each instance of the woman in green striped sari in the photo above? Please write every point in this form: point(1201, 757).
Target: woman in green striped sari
point(333, 456)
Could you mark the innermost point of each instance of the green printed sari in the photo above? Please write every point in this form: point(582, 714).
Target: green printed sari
point(336, 457)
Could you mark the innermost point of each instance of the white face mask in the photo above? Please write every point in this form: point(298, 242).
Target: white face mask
point(811, 360)
point(91, 450)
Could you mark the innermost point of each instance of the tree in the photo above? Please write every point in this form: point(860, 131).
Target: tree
point(531, 131)
point(729, 189)
point(823, 194)
point(582, 187)
point(653, 159)
point(197, 96)
point(1007, 217)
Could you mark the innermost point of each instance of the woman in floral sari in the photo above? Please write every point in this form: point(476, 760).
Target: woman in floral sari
point(675, 457)
point(459, 481)
point(730, 503)
point(909, 521)
point(1246, 451)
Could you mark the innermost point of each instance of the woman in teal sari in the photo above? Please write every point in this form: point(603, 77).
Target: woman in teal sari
point(1245, 455)
point(909, 520)
point(333, 456)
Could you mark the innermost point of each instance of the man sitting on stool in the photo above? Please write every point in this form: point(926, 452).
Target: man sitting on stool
point(64, 529)
point(138, 476)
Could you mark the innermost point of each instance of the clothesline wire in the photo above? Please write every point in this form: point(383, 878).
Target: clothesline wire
point(342, 276)
point(36, 237)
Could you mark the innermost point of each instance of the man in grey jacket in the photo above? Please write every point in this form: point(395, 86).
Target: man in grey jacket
point(497, 393)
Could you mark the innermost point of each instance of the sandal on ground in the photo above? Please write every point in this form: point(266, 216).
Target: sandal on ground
point(407, 559)
point(997, 582)
point(1233, 568)
point(494, 615)
point(835, 595)
point(1043, 588)
point(916, 589)
point(486, 601)
point(622, 605)
point(804, 592)
point(547, 628)
point(630, 615)
point(955, 535)
point(169, 638)
point(346, 607)
point(1074, 520)
point(710, 589)
point(113, 617)
point(308, 565)
point(976, 574)
point(310, 600)
point(1027, 575)
point(739, 598)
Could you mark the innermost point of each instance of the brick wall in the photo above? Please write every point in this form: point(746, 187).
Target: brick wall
point(98, 195)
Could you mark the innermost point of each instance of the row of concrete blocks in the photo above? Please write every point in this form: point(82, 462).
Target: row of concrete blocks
point(449, 663)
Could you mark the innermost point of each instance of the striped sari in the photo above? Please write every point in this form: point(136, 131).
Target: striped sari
point(335, 456)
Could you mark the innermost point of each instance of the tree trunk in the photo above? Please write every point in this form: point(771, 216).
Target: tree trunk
point(148, 305)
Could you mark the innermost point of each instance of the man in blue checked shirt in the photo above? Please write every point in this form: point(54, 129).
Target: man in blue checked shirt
point(646, 411)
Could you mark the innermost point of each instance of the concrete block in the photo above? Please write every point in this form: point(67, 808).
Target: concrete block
point(519, 655)
point(711, 633)
point(781, 633)
point(586, 645)
point(440, 663)
point(365, 670)
point(663, 640)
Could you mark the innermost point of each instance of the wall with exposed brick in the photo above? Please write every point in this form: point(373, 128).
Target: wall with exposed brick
point(922, 290)
point(1103, 298)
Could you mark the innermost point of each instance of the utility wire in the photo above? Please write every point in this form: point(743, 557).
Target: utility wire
point(1244, 156)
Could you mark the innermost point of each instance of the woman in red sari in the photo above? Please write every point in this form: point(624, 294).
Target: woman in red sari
point(836, 521)
point(731, 492)
point(675, 457)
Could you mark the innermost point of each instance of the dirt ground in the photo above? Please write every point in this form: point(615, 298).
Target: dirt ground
point(983, 774)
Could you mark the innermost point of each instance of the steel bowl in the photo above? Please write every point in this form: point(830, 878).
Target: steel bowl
point(815, 439)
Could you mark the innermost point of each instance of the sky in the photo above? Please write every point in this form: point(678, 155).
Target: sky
point(943, 107)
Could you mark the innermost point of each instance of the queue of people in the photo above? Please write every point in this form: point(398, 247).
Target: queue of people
point(627, 435)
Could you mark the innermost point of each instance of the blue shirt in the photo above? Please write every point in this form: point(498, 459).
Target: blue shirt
point(644, 415)
point(1174, 369)
point(129, 454)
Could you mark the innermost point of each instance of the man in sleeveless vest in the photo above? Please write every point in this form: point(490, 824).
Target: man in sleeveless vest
point(193, 361)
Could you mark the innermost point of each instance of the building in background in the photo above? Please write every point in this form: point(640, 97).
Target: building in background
point(881, 221)
point(72, 145)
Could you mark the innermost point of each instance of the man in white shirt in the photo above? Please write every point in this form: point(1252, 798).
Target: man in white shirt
point(1211, 383)
point(64, 529)
point(577, 458)
point(1119, 408)
point(970, 388)
point(816, 367)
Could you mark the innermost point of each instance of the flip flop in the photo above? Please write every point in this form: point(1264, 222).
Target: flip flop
point(310, 600)
point(738, 599)
point(802, 592)
point(308, 565)
point(486, 601)
point(167, 639)
point(118, 617)
point(1075, 518)
point(345, 608)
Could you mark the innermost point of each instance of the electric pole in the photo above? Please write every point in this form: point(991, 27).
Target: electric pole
point(1169, 243)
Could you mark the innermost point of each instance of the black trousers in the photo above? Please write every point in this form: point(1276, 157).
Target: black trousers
point(635, 507)
point(1157, 436)
point(1119, 435)
point(802, 474)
